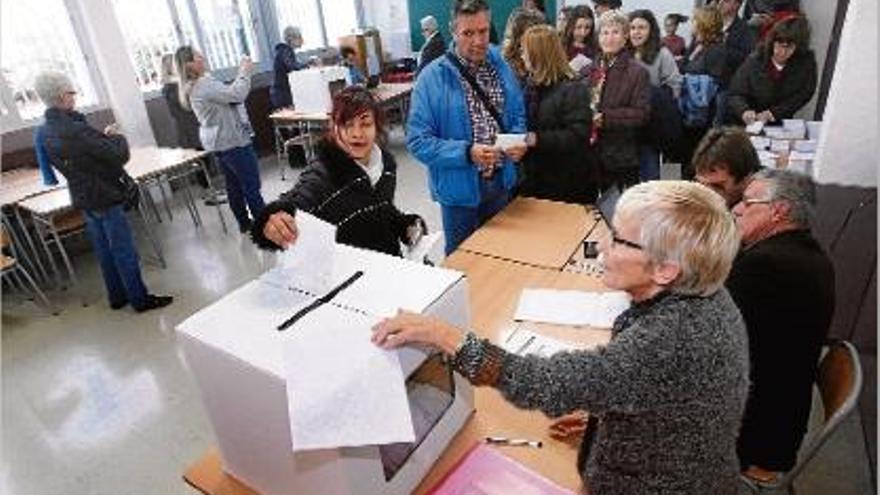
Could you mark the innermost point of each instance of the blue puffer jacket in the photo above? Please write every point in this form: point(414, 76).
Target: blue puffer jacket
point(439, 131)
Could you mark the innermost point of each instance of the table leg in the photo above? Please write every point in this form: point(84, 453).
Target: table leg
point(66, 260)
point(157, 247)
point(40, 226)
point(213, 192)
point(190, 202)
point(43, 274)
point(164, 196)
point(280, 150)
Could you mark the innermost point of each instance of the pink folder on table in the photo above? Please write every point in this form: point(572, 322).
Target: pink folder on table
point(485, 471)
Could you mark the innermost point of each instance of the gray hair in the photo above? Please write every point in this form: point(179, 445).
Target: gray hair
point(429, 22)
point(50, 87)
point(796, 189)
point(291, 32)
point(687, 224)
point(615, 17)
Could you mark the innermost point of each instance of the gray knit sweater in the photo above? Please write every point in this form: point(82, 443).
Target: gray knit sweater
point(667, 394)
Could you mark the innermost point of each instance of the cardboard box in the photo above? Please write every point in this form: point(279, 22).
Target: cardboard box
point(236, 355)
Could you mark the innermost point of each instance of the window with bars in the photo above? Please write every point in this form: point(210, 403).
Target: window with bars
point(304, 14)
point(344, 19)
point(37, 35)
point(150, 33)
point(227, 32)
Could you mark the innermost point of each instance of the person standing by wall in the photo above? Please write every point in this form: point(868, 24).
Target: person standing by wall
point(434, 45)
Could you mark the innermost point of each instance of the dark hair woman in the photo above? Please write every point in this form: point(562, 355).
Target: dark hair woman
point(351, 185)
point(644, 39)
point(776, 80)
point(579, 37)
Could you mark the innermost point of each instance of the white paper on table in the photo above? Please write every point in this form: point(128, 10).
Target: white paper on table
point(523, 342)
point(342, 390)
point(801, 156)
point(505, 141)
point(308, 263)
point(571, 307)
point(760, 142)
point(579, 62)
point(755, 127)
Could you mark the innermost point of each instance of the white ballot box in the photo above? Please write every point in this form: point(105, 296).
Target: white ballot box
point(237, 356)
point(313, 89)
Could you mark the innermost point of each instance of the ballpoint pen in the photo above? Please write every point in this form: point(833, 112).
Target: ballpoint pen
point(514, 442)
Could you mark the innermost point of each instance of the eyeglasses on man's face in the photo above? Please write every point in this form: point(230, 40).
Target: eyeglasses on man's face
point(746, 202)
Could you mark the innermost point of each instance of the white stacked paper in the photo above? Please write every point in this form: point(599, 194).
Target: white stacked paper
point(570, 307)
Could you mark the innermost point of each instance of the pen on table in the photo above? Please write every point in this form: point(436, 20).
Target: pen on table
point(514, 442)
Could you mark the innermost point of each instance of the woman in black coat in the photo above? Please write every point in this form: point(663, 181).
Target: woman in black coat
point(557, 165)
point(778, 79)
point(351, 186)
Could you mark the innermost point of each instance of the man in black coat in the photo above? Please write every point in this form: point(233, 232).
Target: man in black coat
point(434, 45)
point(783, 283)
point(739, 40)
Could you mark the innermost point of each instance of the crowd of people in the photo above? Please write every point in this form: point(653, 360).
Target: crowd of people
point(688, 394)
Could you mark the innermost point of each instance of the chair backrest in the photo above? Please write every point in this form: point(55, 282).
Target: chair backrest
point(840, 382)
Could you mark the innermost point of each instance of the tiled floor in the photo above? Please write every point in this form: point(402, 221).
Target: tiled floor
point(100, 402)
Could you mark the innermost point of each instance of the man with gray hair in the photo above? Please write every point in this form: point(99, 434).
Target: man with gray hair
point(92, 162)
point(434, 45)
point(284, 63)
point(783, 283)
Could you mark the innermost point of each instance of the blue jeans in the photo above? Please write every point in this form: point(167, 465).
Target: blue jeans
point(459, 222)
point(114, 246)
point(242, 172)
point(649, 163)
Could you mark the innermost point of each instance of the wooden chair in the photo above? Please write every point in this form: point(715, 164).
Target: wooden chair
point(840, 382)
point(9, 266)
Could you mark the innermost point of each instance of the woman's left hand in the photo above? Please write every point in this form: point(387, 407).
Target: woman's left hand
point(414, 328)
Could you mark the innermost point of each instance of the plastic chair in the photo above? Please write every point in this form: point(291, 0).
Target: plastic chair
point(840, 382)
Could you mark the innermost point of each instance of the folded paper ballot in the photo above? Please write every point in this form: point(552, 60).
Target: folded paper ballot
point(342, 390)
point(505, 141)
point(579, 62)
point(310, 259)
point(571, 307)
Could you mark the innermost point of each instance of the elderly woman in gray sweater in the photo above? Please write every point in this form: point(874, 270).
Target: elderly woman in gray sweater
point(224, 129)
point(665, 396)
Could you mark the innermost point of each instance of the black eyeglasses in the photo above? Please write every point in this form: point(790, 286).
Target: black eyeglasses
point(617, 240)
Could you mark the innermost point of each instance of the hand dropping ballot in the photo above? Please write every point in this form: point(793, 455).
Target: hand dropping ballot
point(309, 261)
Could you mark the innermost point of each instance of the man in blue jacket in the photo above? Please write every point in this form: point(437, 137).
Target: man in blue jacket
point(452, 127)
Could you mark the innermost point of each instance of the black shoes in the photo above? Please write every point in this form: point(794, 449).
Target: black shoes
point(155, 302)
point(119, 305)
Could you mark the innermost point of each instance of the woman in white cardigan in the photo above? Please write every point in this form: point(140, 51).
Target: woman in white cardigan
point(224, 129)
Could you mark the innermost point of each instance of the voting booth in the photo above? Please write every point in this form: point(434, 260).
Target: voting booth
point(237, 356)
point(313, 89)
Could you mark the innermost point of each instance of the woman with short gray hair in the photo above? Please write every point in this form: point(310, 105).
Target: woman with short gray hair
point(92, 162)
point(666, 394)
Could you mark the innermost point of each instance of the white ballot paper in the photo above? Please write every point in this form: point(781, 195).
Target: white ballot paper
point(755, 127)
point(308, 263)
point(571, 307)
point(522, 341)
point(343, 390)
point(579, 62)
point(505, 141)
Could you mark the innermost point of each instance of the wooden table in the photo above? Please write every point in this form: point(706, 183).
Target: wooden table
point(534, 232)
point(308, 125)
point(495, 286)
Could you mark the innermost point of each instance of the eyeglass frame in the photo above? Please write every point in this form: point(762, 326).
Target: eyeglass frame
point(630, 244)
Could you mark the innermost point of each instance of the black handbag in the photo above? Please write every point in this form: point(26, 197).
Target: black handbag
point(131, 192)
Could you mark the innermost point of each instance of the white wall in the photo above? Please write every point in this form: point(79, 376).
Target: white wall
point(117, 71)
point(848, 151)
point(391, 18)
point(821, 14)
